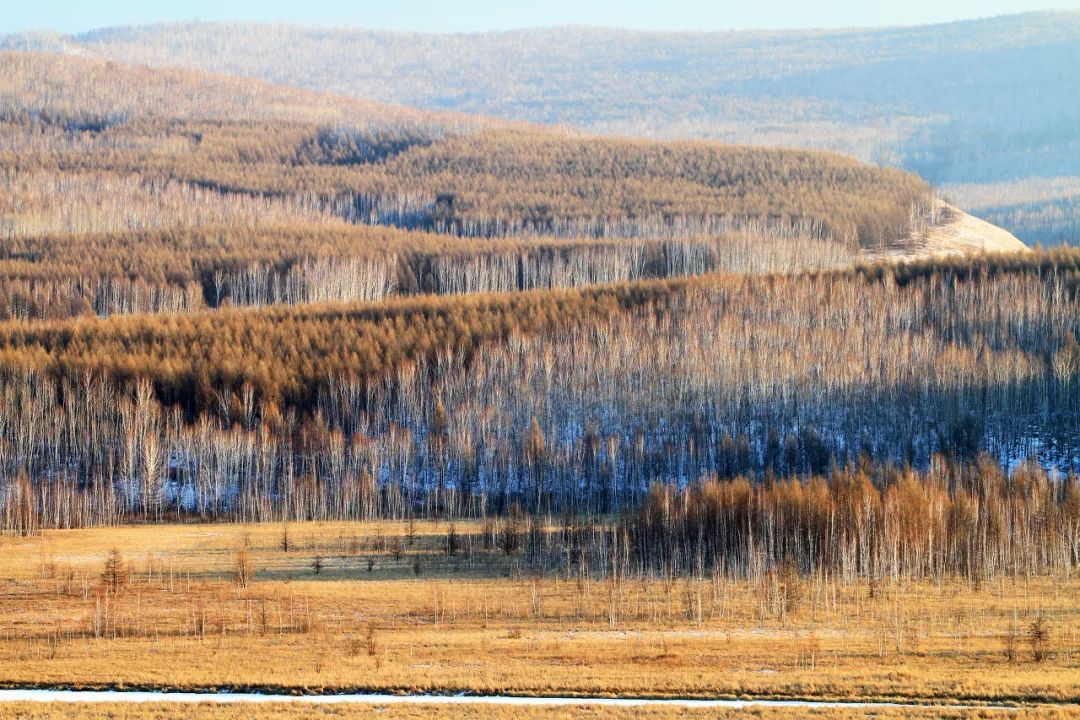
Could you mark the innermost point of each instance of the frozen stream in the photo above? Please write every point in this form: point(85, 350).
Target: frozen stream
point(141, 696)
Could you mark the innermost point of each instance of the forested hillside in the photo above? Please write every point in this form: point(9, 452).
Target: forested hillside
point(985, 102)
point(466, 408)
point(550, 401)
point(411, 171)
point(133, 190)
point(226, 299)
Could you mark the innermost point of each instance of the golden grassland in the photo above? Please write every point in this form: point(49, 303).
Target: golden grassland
point(153, 711)
point(380, 607)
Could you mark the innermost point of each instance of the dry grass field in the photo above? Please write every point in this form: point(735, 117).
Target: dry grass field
point(300, 712)
point(384, 607)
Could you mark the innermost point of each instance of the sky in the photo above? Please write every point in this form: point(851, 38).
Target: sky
point(479, 15)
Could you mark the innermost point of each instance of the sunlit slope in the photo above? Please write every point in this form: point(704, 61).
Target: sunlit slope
point(952, 232)
point(963, 233)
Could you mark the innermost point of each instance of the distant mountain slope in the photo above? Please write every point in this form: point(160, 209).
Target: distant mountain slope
point(982, 102)
point(99, 93)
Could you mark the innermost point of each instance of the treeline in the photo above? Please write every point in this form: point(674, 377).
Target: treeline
point(866, 521)
point(509, 182)
point(549, 401)
point(188, 269)
point(286, 354)
point(35, 205)
point(81, 95)
point(949, 300)
point(869, 520)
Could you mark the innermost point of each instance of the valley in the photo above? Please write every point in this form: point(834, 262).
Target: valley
point(342, 395)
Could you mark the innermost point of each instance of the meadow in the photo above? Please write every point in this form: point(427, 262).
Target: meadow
point(430, 606)
point(294, 712)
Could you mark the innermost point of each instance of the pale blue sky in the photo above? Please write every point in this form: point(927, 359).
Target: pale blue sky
point(470, 15)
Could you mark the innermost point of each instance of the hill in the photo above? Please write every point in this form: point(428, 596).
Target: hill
point(131, 189)
point(421, 401)
point(978, 102)
point(413, 168)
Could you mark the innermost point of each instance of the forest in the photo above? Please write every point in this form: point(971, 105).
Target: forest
point(941, 100)
point(412, 170)
point(544, 400)
point(122, 196)
point(238, 301)
point(187, 268)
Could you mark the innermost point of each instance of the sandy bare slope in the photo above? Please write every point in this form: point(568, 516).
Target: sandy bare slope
point(955, 233)
point(963, 233)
